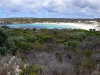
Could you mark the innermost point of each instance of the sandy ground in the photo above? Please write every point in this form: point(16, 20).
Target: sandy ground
point(78, 25)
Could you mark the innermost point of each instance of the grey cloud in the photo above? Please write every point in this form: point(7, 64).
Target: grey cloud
point(66, 7)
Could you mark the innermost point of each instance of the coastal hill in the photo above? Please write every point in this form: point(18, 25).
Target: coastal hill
point(48, 20)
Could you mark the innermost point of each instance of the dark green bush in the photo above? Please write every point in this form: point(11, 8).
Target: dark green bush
point(5, 27)
point(6, 42)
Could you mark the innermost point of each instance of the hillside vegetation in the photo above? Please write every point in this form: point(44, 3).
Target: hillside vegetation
point(49, 51)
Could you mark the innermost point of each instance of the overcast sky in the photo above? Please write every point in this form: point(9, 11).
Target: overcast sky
point(50, 8)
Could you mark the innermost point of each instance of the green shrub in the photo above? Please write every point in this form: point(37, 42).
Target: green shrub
point(78, 36)
point(87, 65)
point(57, 53)
point(71, 43)
point(6, 42)
point(32, 70)
point(24, 47)
point(4, 34)
point(30, 39)
point(19, 38)
point(3, 50)
point(59, 40)
point(44, 38)
point(10, 44)
point(88, 53)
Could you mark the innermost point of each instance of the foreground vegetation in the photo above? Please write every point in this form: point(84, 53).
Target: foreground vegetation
point(49, 51)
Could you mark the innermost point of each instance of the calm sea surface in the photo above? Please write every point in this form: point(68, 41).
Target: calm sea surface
point(39, 26)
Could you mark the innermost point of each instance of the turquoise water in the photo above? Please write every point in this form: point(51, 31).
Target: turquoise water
point(39, 26)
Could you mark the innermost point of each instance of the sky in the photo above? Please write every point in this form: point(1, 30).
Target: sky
point(50, 8)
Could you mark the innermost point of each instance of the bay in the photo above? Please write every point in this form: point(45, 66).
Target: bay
point(39, 26)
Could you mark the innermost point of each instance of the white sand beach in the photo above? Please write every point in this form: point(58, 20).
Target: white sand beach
point(81, 26)
point(78, 25)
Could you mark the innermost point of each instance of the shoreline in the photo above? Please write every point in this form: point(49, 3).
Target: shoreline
point(78, 25)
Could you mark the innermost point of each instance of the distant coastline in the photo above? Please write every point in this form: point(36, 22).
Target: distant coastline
point(80, 23)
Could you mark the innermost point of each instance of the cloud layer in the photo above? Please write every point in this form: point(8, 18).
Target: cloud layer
point(50, 8)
